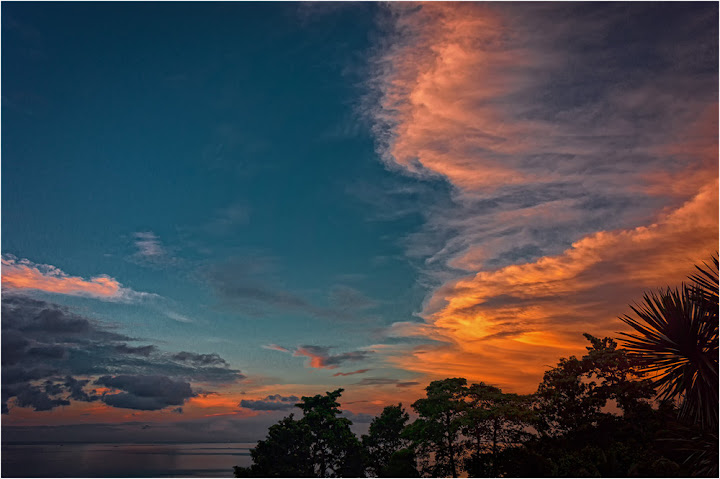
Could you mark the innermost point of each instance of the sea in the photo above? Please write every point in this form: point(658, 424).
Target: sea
point(123, 460)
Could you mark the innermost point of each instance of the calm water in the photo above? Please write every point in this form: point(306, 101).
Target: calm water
point(124, 460)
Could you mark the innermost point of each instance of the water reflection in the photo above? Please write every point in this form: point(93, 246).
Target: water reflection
point(123, 460)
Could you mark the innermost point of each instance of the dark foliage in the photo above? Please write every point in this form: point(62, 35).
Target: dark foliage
point(385, 447)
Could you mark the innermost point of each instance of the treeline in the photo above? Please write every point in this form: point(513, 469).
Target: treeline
point(598, 415)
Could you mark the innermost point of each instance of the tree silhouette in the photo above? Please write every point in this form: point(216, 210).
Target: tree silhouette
point(677, 338)
point(383, 443)
point(572, 395)
point(320, 444)
point(493, 420)
point(284, 453)
point(436, 433)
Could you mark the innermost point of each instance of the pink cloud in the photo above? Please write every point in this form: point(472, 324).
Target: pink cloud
point(22, 274)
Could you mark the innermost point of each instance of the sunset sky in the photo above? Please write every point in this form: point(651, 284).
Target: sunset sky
point(211, 210)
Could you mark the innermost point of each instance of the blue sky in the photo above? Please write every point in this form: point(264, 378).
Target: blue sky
point(235, 146)
point(403, 192)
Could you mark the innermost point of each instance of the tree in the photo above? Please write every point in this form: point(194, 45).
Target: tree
point(284, 453)
point(320, 444)
point(384, 439)
point(496, 419)
point(437, 431)
point(572, 395)
point(334, 449)
point(676, 338)
point(595, 419)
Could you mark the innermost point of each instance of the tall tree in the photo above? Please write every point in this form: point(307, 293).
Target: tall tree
point(284, 453)
point(320, 444)
point(493, 421)
point(676, 338)
point(436, 433)
point(384, 441)
point(334, 449)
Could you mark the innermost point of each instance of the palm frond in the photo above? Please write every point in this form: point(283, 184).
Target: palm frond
point(676, 338)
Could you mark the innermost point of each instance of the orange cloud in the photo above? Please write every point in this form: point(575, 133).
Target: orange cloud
point(567, 206)
point(23, 274)
point(509, 325)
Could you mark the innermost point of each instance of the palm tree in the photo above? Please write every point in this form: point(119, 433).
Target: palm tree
point(677, 339)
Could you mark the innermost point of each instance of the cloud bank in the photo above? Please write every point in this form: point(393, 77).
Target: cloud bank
point(580, 145)
point(52, 356)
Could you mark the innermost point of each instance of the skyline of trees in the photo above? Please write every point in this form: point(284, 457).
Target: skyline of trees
point(649, 409)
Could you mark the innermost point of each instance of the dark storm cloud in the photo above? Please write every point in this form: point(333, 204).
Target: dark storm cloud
point(33, 396)
point(47, 342)
point(147, 393)
point(274, 402)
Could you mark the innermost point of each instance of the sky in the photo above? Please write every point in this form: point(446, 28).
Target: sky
point(210, 210)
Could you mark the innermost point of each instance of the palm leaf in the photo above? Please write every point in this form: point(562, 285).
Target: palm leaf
point(676, 339)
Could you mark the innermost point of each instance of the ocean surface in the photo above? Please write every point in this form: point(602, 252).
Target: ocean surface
point(124, 460)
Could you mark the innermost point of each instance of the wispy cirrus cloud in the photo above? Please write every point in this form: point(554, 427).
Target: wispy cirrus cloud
point(351, 373)
point(387, 382)
point(23, 274)
point(244, 285)
point(582, 167)
point(150, 250)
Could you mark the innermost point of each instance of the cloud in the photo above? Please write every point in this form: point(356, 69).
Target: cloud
point(238, 283)
point(139, 350)
point(359, 371)
point(274, 402)
point(228, 218)
point(386, 382)
point(150, 250)
point(347, 299)
point(582, 168)
point(178, 317)
point(50, 345)
point(148, 393)
point(23, 274)
point(357, 418)
point(32, 396)
point(321, 358)
point(275, 347)
point(521, 318)
point(200, 359)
